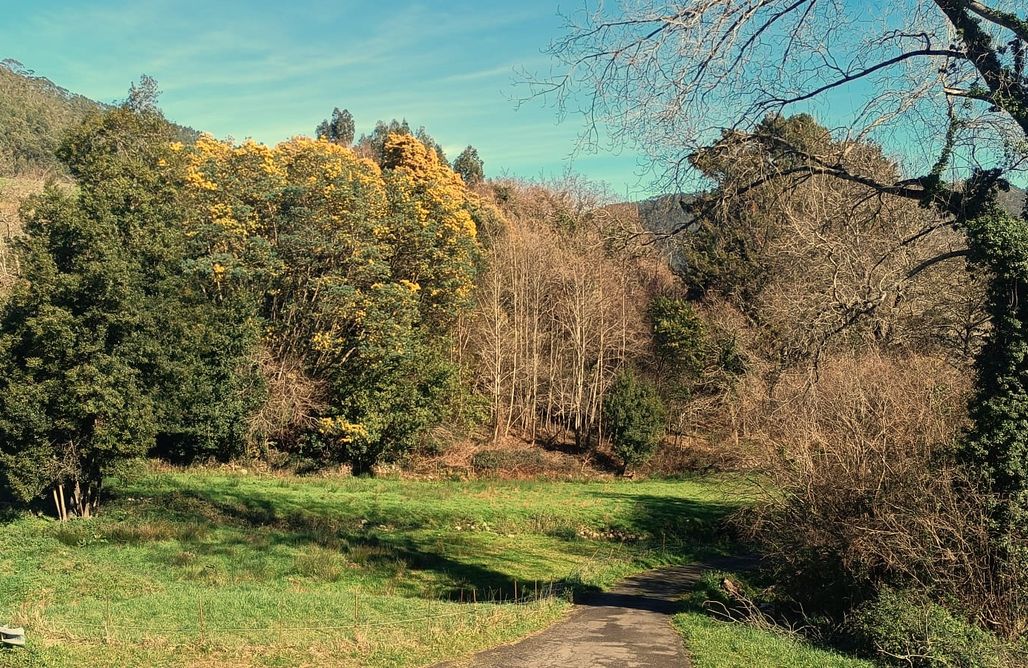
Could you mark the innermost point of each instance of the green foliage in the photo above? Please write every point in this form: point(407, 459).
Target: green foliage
point(723, 259)
point(634, 418)
point(998, 443)
point(470, 166)
point(385, 405)
point(73, 399)
point(108, 345)
point(691, 357)
point(374, 144)
point(905, 629)
point(678, 336)
point(339, 129)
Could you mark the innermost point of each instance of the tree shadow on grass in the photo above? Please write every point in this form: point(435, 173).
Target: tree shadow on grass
point(375, 540)
point(676, 521)
point(378, 539)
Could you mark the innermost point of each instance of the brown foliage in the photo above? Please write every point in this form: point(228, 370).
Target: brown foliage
point(860, 489)
point(561, 307)
point(827, 264)
point(294, 401)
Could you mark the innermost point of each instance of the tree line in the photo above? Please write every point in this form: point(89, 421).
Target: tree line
point(318, 302)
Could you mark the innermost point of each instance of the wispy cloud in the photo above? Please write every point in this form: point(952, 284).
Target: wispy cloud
point(271, 70)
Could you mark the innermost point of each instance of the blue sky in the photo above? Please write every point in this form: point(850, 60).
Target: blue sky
point(271, 70)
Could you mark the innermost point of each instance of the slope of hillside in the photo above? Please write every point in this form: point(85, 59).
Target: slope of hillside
point(34, 113)
point(13, 190)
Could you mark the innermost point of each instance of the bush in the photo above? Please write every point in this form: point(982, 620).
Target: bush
point(905, 628)
point(501, 461)
point(634, 418)
point(678, 336)
point(858, 491)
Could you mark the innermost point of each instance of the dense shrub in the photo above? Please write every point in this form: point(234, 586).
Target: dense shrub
point(906, 629)
point(842, 450)
point(863, 489)
point(634, 418)
point(679, 339)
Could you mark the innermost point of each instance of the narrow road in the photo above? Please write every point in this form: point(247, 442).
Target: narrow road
point(627, 627)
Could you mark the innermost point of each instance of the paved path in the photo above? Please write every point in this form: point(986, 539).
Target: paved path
point(627, 627)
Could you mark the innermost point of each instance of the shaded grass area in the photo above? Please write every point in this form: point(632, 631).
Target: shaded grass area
point(204, 568)
point(714, 643)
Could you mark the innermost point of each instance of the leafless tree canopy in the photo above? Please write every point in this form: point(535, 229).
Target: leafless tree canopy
point(672, 77)
point(560, 309)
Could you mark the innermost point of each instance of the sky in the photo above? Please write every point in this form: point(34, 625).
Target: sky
point(273, 70)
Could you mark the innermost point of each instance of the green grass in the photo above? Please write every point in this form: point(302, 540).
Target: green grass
point(714, 643)
point(194, 568)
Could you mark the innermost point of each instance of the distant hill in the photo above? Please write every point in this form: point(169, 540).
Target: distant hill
point(34, 114)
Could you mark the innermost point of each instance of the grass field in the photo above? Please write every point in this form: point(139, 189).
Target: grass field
point(715, 644)
point(216, 569)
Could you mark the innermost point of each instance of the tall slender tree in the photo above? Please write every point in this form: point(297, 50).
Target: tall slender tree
point(339, 129)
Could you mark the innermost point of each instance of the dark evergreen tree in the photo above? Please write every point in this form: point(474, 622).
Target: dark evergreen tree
point(470, 166)
point(339, 129)
point(106, 342)
point(634, 418)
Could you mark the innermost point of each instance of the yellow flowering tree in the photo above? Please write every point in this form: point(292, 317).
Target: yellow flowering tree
point(361, 271)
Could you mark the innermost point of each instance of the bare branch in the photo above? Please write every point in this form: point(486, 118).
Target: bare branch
point(1008, 20)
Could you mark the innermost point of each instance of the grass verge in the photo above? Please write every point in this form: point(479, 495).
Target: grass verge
point(714, 643)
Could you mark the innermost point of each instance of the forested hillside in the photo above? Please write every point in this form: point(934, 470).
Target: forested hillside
point(34, 115)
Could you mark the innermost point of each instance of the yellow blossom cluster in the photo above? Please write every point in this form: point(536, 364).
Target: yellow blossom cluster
point(343, 430)
point(240, 187)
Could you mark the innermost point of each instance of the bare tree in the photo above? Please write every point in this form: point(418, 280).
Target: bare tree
point(939, 83)
point(673, 77)
point(560, 310)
